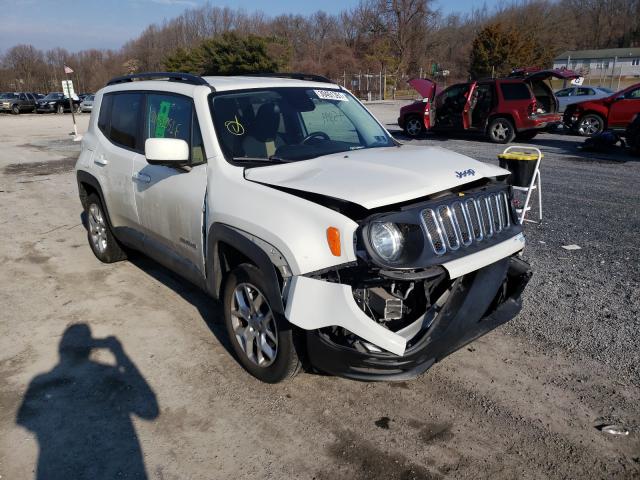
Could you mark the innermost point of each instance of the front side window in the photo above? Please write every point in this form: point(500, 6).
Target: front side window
point(125, 115)
point(287, 124)
point(633, 94)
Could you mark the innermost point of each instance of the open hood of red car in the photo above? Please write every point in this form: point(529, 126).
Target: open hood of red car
point(424, 86)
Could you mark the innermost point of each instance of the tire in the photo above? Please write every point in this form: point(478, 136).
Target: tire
point(101, 240)
point(526, 136)
point(413, 126)
point(246, 285)
point(77, 109)
point(590, 124)
point(15, 109)
point(500, 130)
point(60, 109)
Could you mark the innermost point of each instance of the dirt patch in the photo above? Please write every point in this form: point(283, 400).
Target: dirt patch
point(52, 167)
point(383, 422)
point(370, 461)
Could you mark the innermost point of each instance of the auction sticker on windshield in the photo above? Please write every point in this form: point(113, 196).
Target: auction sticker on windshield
point(331, 95)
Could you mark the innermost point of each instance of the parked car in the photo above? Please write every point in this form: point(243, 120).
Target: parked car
point(289, 202)
point(86, 105)
point(17, 102)
point(57, 102)
point(614, 112)
point(501, 109)
point(574, 94)
point(632, 135)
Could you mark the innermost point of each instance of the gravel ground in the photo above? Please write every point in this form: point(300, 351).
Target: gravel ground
point(524, 401)
point(587, 301)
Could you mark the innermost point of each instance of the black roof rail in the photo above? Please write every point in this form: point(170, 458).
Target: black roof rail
point(311, 77)
point(170, 76)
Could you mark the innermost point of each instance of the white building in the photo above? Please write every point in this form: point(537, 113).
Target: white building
point(623, 62)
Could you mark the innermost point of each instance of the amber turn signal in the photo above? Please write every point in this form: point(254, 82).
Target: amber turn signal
point(333, 239)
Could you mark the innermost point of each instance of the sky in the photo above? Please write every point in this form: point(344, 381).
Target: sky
point(82, 24)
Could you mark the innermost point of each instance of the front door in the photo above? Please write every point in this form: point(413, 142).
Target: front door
point(624, 108)
point(170, 200)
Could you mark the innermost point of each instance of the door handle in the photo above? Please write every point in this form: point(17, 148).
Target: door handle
point(100, 160)
point(141, 177)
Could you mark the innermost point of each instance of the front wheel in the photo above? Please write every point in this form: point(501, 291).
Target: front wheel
point(15, 109)
point(590, 124)
point(60, 110)
point(414, 126)
point(501, 130)
point(262, 339)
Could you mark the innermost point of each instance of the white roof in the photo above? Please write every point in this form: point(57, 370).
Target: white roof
point(241, 83)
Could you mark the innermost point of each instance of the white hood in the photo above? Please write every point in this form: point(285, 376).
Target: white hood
point(378, 176)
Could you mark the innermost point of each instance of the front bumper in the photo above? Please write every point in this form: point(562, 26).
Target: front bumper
point(484, 300)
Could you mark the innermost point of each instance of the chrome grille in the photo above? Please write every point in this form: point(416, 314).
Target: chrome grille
point(451, 226)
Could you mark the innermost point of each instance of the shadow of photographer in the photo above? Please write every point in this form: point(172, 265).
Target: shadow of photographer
point(81, 412)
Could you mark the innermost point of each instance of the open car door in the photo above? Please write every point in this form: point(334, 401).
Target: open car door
point(470, 104)
point(427, 89)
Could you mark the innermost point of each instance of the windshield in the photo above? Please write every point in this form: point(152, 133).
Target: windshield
point(89, 98)
point(286, 124)
point(54, 96)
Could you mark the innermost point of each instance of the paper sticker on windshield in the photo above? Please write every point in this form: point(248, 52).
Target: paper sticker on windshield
point(331, 95)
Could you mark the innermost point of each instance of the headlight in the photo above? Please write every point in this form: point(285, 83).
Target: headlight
point(387, 240)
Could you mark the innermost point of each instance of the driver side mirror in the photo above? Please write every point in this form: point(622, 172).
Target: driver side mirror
point(172, 152)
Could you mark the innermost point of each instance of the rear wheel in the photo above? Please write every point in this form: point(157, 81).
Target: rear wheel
point(101, 240)
point(414, 126)
point(60, 109)
point(261, 338)
point(590, 124)
point(501, 130)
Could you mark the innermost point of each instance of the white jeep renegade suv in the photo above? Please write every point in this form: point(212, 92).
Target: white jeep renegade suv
point(324, 238)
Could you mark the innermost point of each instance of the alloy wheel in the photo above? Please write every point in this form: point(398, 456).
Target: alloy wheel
point(590, 125)
point(501, 131)
point(97, 228)
point(254, 325)
point(414, 127)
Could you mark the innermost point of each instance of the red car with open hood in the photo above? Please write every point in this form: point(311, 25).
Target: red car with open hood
point(503, 108)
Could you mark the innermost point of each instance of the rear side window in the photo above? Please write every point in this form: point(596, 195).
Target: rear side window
point(125, 120)
point(104, 120)
point(515, 91)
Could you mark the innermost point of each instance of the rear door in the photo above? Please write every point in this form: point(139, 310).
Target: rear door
point(119, 146)
point(470, 104)
point(170, 200)
point(624, 108)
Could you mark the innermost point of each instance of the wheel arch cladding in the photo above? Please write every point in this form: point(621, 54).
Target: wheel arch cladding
point(226, 249)
point(88, 184)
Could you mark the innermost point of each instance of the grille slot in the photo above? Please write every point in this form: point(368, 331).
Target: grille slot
point(463, 222)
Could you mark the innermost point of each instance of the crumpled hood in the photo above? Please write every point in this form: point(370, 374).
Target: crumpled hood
point(377, 177)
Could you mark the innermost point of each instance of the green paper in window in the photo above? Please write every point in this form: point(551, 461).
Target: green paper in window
point(162, 119)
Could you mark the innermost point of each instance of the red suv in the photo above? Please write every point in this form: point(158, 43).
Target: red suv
point(522, 105)
point(614, 112)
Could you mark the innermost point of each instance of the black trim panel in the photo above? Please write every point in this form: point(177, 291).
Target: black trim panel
point(220, 233)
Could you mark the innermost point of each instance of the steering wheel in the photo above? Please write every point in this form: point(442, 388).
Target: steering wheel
point(321, 135)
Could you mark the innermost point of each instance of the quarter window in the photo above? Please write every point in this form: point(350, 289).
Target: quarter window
point(104, 120)
point(125, 115)
point(515, 91)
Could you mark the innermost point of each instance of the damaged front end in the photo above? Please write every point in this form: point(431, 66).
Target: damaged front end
point(391, 315)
